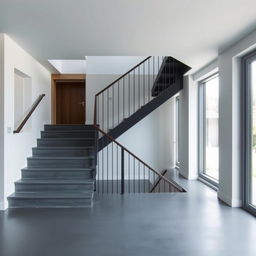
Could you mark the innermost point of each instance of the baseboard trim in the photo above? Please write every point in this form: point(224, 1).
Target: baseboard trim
point(229, 201)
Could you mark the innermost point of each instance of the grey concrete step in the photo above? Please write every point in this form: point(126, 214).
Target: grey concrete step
point(57, 173)
point(29, 185)
point(61, 127)
point(61, 162)
point(66, 142)
point(64, 151)
point(68, 134)
point(50, 200)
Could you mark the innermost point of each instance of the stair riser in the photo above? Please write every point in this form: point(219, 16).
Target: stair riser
point(64, 143)
point(50, 203)
point(63, 152)
point(43, 175)
point(61, 163)
point(53, 187)
point(68, 128)
point(55, 134)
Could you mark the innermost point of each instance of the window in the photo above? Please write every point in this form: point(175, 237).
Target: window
point(249, 132)
point(177, 129)
point(209, 129)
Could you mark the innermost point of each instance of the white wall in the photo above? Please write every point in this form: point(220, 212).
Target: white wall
point(94, 84)
point(1, 121)
point(189, 129)
point(18, 146)
point(152, 139)
point(108, 65)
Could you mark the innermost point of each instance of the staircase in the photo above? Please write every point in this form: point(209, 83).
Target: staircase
point(157, 79)
point(61, 171)
point(121, 105)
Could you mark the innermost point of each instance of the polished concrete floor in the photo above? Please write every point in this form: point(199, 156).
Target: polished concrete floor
point(181, 224)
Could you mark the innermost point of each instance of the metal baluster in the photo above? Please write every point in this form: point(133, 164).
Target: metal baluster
point(113, 107)
point(103, 111)
point(149, 80)
point(139, 177)
point(112, 167)
point(139, 87)
point(129, 81)
point(144, 179)
point(129, 173)
point(107, 110)
point(122, 171)
point(107, 164)
point(118, 101)
point(117, 168)
point(144, 96)
point(133, 175)
point(133, 91)
point(123, 98)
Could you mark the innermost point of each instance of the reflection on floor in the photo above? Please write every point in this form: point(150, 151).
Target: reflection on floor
point(193, 223)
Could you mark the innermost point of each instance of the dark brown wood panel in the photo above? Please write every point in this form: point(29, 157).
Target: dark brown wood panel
point(70, 102)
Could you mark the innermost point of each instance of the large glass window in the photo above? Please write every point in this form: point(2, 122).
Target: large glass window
point(249, 131)
point(209, 129)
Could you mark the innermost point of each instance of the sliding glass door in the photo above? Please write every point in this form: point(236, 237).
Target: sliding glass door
point(249, 131)
point(209, 129)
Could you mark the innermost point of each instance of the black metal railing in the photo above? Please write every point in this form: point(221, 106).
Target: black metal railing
point(118, 169)
point(133, 90)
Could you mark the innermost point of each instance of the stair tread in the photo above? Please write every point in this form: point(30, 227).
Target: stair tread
point(56, 169)
point(61, 157)
point(69, 131)
point(67, 148)
point(67, 138)
point(54, 194)
point(62, 181)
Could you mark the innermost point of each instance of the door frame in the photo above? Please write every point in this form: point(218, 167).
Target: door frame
point(246, 120)
point(64, 77)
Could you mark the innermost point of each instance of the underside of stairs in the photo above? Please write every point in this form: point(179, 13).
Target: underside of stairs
point(61, 171)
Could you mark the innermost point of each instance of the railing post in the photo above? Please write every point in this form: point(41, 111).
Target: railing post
point(122, 171)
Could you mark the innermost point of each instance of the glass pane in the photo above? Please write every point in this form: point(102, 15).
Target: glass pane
point(212, 128)
point(253, 150)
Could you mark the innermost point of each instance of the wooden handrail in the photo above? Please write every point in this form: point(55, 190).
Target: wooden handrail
point(32, 109)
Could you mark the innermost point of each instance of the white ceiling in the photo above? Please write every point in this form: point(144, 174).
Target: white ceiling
point(192, 31)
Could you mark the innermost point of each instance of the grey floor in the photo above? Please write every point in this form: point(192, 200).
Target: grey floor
point(193, 223)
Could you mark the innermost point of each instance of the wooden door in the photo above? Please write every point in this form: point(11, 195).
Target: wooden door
point(70, 102)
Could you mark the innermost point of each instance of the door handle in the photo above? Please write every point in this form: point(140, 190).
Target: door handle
point(82, 103)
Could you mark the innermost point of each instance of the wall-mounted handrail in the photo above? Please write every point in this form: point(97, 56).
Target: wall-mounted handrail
point(32, 109)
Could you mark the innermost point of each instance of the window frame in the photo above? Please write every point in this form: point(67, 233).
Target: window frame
point(246, 130)
point(202, 131)
point(177, 133)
